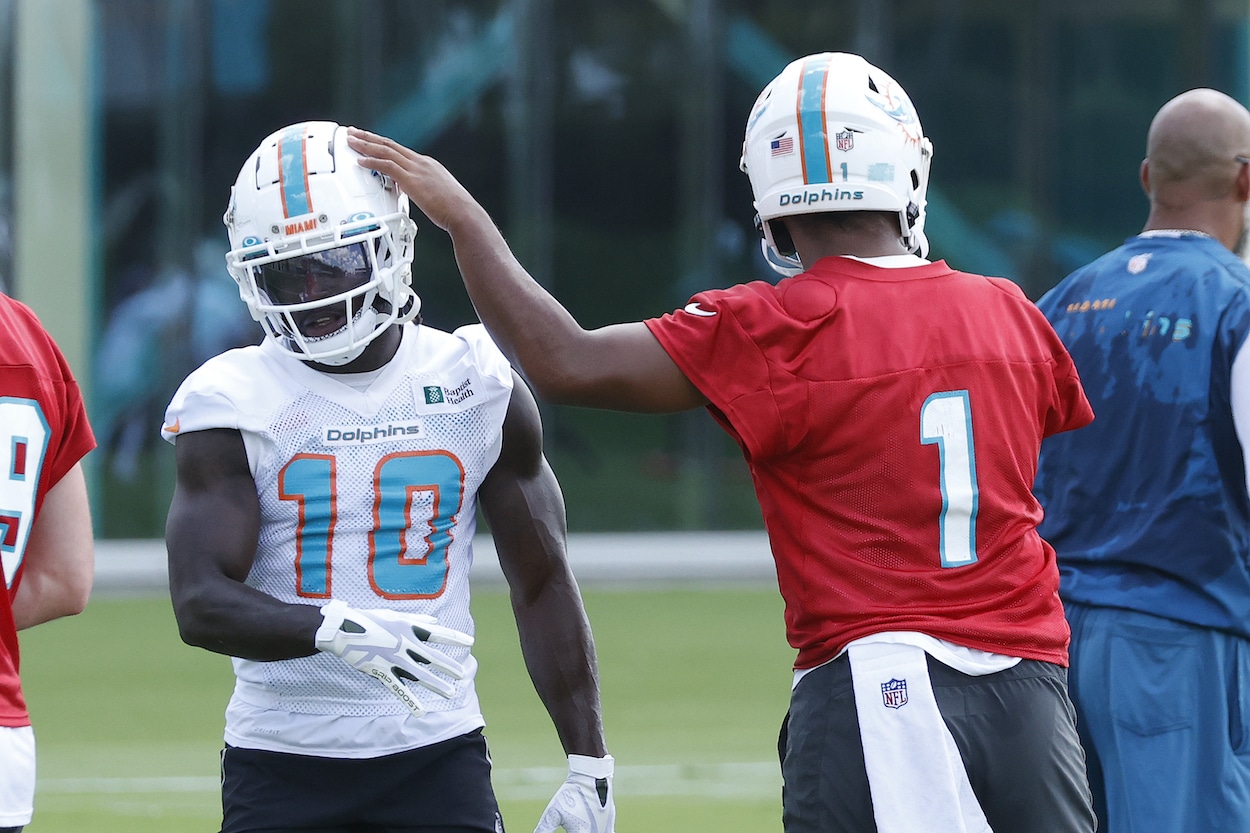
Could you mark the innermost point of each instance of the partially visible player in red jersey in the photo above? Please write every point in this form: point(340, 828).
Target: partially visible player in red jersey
point(891, 410)
point(45, 525)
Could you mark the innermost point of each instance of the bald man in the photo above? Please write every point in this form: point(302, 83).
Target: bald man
point(1147, 508)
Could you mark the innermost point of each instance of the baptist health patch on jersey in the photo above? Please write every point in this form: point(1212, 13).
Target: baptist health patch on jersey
point(459, 393)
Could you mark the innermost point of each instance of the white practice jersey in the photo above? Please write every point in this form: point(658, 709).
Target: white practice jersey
point(367, 496)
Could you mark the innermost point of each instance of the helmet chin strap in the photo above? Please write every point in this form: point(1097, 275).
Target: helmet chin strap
point(339, 361)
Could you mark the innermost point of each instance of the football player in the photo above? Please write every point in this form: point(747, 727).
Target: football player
point(321, 531)
point(890, 409)
point(47, 553)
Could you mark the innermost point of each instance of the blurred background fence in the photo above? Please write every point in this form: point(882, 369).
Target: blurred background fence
point(603, 136)
point(629, 561)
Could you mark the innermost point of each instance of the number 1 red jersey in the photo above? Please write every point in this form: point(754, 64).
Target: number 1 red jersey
point(891, 419)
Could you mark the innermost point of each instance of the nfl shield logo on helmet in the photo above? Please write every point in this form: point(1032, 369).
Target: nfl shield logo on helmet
point(845, 139)
point(894, 694)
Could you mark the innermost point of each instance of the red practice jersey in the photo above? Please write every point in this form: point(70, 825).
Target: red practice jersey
point(891, 420)
point(43, 433)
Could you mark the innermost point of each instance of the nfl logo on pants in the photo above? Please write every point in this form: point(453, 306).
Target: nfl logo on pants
point(894, 694)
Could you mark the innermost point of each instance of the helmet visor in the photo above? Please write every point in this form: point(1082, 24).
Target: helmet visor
point(316, 276)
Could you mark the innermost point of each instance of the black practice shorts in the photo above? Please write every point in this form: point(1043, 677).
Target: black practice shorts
point(442, 788)
point(1015, 731)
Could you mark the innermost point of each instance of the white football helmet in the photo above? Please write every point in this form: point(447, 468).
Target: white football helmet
point(834, 133)
point(320, 247)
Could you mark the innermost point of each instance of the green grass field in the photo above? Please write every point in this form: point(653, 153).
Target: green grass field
point(695, 683)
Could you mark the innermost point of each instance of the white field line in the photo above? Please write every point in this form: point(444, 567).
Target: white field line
point(725, 780)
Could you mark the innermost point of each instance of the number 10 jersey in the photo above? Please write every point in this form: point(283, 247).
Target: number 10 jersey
point(368, 494)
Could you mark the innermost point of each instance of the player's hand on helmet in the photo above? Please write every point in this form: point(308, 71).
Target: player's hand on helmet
point(393, 647)
point(429, 185)
point(585, 802)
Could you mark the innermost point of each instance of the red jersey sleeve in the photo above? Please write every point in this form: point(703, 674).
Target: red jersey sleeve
point(1073, 409)
point(711, 339)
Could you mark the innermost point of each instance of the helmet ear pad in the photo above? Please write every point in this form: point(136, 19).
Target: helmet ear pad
point(783, 261)
point(775, 233)
point(781, 238)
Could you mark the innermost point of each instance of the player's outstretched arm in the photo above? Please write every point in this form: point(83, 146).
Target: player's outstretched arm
point(522, 503)
point(59, 563)
point(621, 366)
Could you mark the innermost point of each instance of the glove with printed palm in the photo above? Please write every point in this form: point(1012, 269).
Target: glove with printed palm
point(392, 647)
point(585, 802)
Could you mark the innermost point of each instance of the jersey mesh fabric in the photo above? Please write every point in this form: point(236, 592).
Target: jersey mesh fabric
point(823, 380)
point(34, 376)
point(322, 682)
point(311, 435)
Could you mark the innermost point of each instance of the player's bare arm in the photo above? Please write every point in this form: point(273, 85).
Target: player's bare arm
point(60, 555)
point(621, 366)
point(525, 509)
point(211, 537)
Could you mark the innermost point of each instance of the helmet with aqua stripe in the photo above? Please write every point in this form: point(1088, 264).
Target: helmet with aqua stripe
point(834, 133)
point(320, 247)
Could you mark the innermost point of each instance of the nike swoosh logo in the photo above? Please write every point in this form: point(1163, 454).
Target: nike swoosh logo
point(694, 309)
point(172, 429)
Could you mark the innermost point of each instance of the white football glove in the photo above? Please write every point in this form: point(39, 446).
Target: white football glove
point(392, 646)
point(585, 802)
